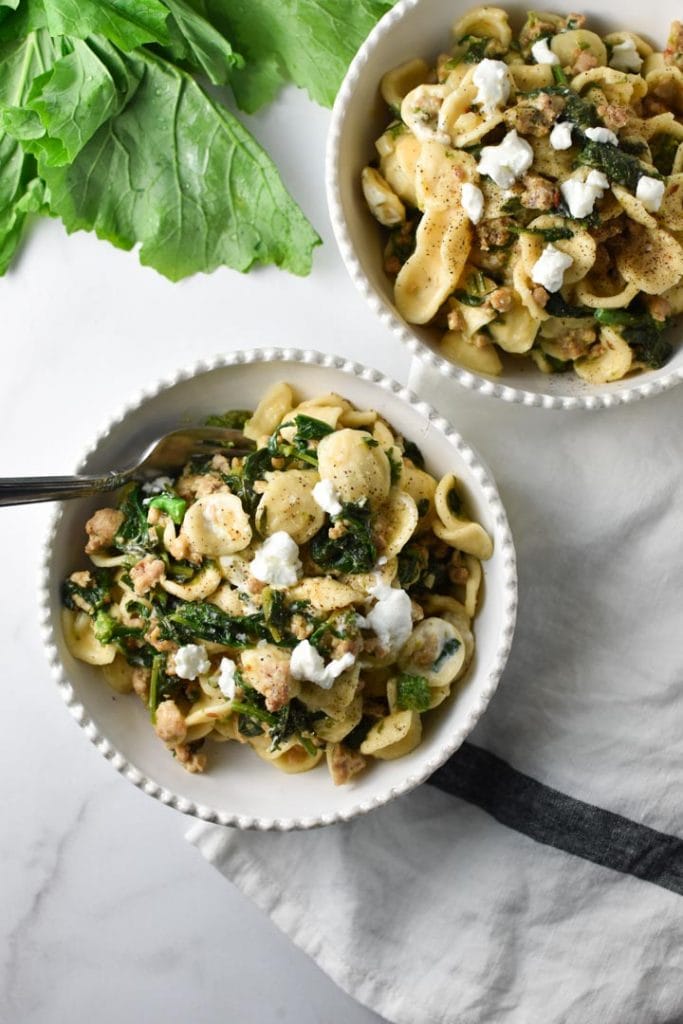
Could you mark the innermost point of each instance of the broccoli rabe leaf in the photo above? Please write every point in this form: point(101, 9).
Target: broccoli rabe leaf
point(190, 621)
point(412, 563)
point(127, 23)
point(171, 504)
point(198, 44)
point(175, 172)
point(354, 739)
point(354, 551)
point(310, 42)
point(663, 149)
point(412, 452)
point(294, 719)
point(133, 533)
point(95, 595)
point(449, 648)
point(109, 630)
point(310, 429)
point(412, 692)
point(611, 160)
point(234, 419)
point(642, 332)
point(557, 306)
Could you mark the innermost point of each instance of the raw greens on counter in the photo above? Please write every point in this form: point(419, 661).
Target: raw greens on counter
point(106, 121)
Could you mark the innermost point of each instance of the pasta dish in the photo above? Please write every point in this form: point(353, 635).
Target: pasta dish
point(312, 599)
point(532, 191)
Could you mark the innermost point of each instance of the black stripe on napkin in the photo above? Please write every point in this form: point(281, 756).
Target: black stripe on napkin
point(558, 820)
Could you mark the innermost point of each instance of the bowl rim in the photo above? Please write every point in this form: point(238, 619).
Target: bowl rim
point(630, 391)
point(504, 544)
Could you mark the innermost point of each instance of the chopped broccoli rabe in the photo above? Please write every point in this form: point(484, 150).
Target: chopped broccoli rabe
point(412, 562)
point(171, 504)
point(412, 452)
point(90, 598)
point(663, 149)
point(354, 551)
point(133, 534)
point(412, 692)
point(234, 419)
point(642, 332)
point(108, 630)
point(611, 160)
point(448, 649)
point(310, 429)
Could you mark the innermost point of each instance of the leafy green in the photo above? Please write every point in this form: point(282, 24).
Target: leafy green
point(171, 504)
point(412, 692)
point(412, 452)
point(355, 550)
point(310, 429)
point(559, 75)
point(294, 719)
point(310, 42)
point(127, 23)
point(468, 299)
point(449, 648)
point(395, 466)
point(354, 739)
point(95, 595)
point(576, 109)
point(198, 44)
point(275, 612)
point(179, 174)
point(412, 562)
point(663, 149)
point(133, 533)
point(618, 166)
point(454, 501)
point(642, 332)
point(234, 419)
point(189, 621)
point(109, 630)
point(557, 306)
point(554, 234)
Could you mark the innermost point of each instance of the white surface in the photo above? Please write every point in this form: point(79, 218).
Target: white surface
point(241, 788)
point(422, 28)
point(106, 913)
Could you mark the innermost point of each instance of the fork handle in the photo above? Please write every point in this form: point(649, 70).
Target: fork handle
point(30, 489)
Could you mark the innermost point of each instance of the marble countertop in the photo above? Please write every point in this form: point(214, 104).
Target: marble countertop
point(107, 913)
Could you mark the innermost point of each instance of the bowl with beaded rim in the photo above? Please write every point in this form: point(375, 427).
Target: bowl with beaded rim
point(239, 788)
point(422, 29)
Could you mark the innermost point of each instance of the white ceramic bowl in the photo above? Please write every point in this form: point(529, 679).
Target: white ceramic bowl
point(422, 28)
point(240, 789)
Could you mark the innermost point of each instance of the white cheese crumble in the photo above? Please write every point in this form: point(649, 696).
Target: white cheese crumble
point(307, 664)
point(277, 561)
point(542, 53)
point(580, 196)
point(156, 486)
point(472, 199)
point(549, 269)
point(561, 135)
point(625, 57)
point(507, 161)
point(601, 135)
point(492, 80)
point(226, 678)
point(391, 617)
point(650, 191)
point(326, 496)
point(191, 661)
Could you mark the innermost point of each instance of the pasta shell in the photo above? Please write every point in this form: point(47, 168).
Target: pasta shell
point(396, 523)
point(81, 640)
point(204, 583)
point(119, 674)
point(398, 82)
point(435, 650)
point(357, 469)
point(393, 736)
point(216, 524)
point(270, 411)
point(612, 363)
point(429, 276)
point(288, 504)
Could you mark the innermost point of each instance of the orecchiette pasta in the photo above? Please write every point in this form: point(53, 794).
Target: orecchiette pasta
point(311, 600)
point(532, 188)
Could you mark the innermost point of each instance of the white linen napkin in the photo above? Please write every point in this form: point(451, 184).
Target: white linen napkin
point(539, 876)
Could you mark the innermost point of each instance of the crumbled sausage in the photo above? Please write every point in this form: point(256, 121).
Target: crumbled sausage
point(102, 528)
point(501, 300)
point(344, 763)
point(614, 115)
point(575, 342)
point(540, 296)
point(659, 308)
point(537, 116)
point(495, 232)
point(147, 573)
point(416, 611)
point(673, 54)
point(169, 723)
point(180, 549)
point(267, 670)
point(455, 320)
point(198, 485)
point(190, 760)
point(141, 679)
point(539, 193)
point(584, 61)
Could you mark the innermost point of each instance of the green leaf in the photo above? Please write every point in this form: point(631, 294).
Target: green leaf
point(177, 173)
point(233, 419)
point(618, 166)
point(310, 42)
point(20, 190)
point(66, 105)
point(412, 692)
point(195, 41)
point(126, 23)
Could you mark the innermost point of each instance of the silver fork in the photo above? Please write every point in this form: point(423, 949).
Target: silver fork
point(165, 455)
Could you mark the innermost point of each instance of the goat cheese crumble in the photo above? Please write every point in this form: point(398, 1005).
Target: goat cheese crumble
point(601, 135)
point(191, 661)
point(226, 678)
point(650, 191)
point(159, 484)
point(472, 199)
point(542, 53)
point(561, 135)
point(549, 269)
point(277, 561)
point(507, 161)
point(580, 196)
point(492, 80)
point(391, 617)
point(625, 57)
point(307, 664)
point(325, 495)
